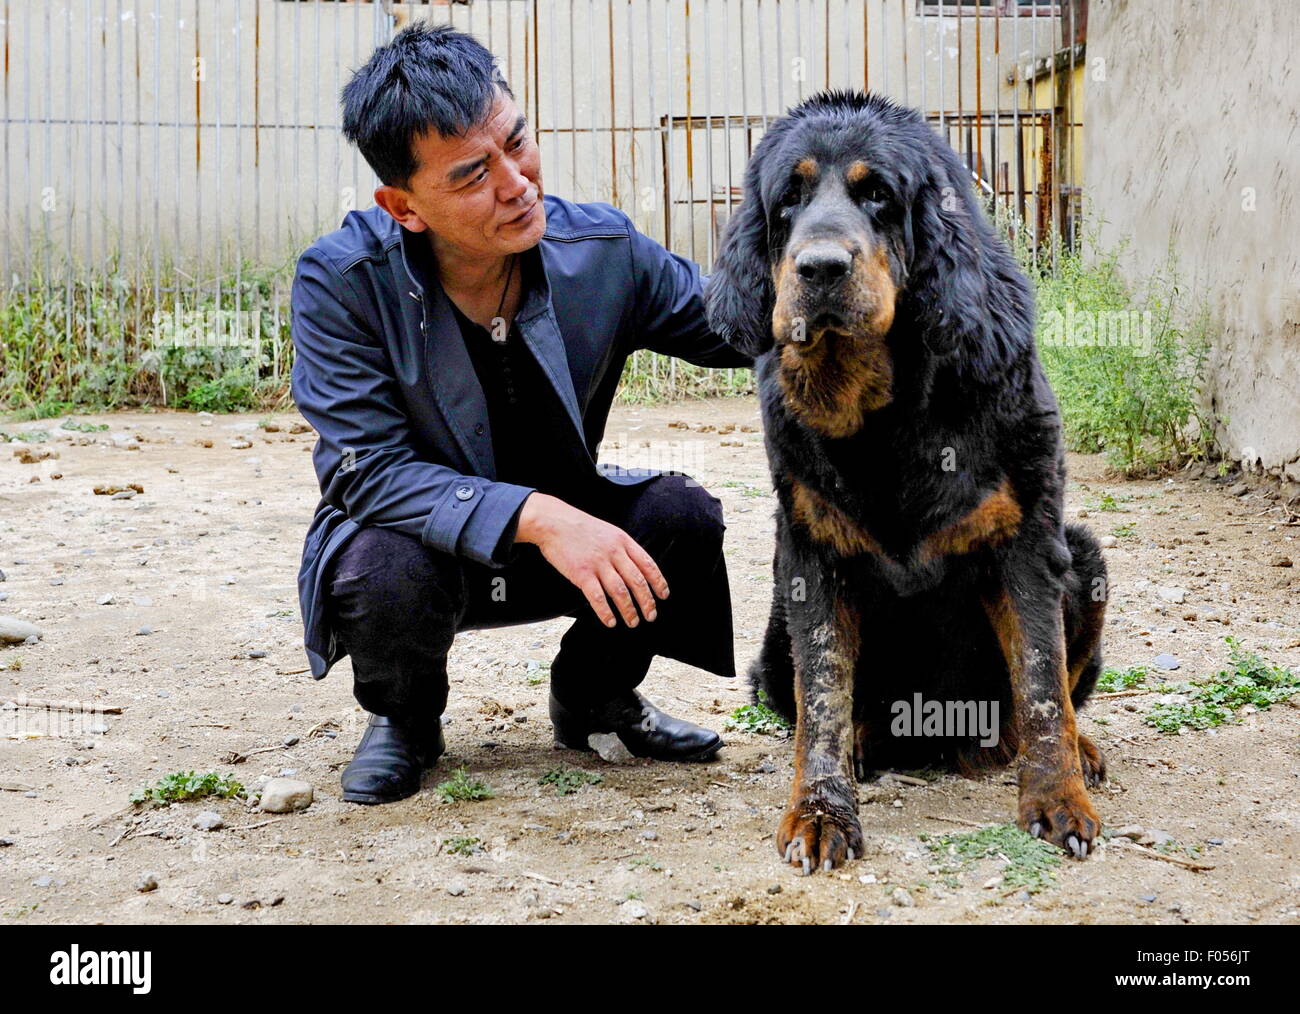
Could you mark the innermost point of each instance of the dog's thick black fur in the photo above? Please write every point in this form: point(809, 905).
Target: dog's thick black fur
point(915, 449)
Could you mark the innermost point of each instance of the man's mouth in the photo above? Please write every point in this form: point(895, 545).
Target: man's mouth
point(527, 216)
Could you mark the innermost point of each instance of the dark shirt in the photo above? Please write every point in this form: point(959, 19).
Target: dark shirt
point(534, 443)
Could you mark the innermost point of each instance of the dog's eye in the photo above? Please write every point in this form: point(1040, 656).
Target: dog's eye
point(792, 196)
point(872, 191)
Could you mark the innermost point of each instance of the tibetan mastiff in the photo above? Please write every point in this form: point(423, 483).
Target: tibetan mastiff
point(922, 562)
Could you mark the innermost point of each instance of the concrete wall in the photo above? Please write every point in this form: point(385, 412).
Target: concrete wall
point(1192, 140)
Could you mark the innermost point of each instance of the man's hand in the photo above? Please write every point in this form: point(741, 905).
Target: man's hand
point(599, 558)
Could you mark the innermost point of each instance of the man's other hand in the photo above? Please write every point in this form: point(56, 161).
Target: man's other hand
point(598, 558)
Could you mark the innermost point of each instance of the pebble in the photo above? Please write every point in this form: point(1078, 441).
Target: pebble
point(123, 494)
point(1171, 594)
point(774, 889)
point(1166, 661)
point(1241, 489)
point(901, 898)
point(225, 899)
point(635, 910)
point(46, 881)
point(284, 795)
point(144, 632)
point(290, 740)
point(456, 890)
point(209, 820)
point(106, 600)
point(609, 747)
point(15, 631)
point(1108, 542)
point(56, 581)
point(649, 836)
point(259, 653)
point(147, 882)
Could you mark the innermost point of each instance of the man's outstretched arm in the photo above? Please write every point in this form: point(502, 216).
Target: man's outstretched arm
point(670, 315)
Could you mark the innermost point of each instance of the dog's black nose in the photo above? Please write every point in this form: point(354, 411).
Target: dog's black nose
point(824, 264)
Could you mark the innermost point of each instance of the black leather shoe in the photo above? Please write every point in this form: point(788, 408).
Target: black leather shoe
point(644, 729)
point(390, 760)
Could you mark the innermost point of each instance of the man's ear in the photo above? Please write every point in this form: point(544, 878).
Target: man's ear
point(739, 295)
point(395, 201)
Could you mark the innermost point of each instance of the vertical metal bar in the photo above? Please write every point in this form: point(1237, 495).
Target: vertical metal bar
point(198, 157)
point(1031, 88)
point(902, 41)
point(708, 133)
point(780, 59)
point(9, 228)
point(726, 93)
point(315, 130)
point(297, 118)
point(239, 183)
point(613, 107)
point(555, 101)
point(690, 132)
point(1015, 126)
point(997, 108)
point(866, 50)
point(591, 115)
point(1055, 194)
point(69, 237)
point(631, 111)
point(925, 59)
point(979, 97)
point(27, 153)
point(219, 209)
point(799, 50)
point(943, 59)
point(668, 120)
point(762, 69)
point(884, 46)
point(573, 105)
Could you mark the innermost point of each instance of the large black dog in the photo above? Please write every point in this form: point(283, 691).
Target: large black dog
point(915, 449)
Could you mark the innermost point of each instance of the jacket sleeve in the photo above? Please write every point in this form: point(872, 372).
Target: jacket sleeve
point(365, 458)
point(670, 306)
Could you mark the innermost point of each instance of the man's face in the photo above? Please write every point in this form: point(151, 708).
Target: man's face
point(470, 191)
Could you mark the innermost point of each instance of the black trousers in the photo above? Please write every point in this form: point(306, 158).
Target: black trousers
point(396, 605)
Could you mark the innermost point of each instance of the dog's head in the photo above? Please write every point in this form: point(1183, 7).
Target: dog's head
point(857, 234)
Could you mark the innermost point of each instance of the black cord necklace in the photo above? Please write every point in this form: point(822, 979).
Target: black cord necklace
point(503, 355)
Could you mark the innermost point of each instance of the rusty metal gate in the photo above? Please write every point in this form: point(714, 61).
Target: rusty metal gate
point(177, 155)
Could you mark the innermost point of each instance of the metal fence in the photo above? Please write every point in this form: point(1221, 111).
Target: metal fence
point(180, 153)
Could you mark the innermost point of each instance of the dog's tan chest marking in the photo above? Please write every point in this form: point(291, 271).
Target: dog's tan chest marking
point(995, 520)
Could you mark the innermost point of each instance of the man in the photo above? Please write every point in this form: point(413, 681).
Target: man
point(458, 347)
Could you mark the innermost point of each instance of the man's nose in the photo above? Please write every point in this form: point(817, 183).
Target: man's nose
point(823, 264)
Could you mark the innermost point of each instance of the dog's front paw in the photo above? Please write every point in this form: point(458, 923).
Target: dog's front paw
point(1060, 811)
point(818, 833)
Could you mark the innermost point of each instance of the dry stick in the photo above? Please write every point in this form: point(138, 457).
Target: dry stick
point(955, 820)
point(109, 816)
point(16, 787)
point(848, 916)
point(249, 827)
point(1120, 693)
point(291, 672)
point(36, 702)
point(894, 776)
point(544, 880)
point(235, 757)
point(1142, 850)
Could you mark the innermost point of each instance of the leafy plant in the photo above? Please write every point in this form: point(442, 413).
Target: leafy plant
point(567, 781)
point(1031, 862)
point(462, 846)
point(461, 788)
point(1112, 680)
point(758, 717)
point(1252, 680)
point(182, 786)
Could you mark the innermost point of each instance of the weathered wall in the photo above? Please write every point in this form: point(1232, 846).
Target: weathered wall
point(1192, 139)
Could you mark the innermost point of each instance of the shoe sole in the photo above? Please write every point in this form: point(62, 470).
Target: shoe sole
point(705, 753)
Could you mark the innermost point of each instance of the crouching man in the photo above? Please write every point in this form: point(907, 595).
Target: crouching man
point(458, 347)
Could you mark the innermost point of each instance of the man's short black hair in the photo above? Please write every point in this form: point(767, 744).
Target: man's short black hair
point(427, 77)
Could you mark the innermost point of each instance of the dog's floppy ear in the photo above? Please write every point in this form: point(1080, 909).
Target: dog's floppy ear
point(739, 295)
point(947, 287)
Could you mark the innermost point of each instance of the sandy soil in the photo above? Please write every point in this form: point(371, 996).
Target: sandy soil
point(156, 604)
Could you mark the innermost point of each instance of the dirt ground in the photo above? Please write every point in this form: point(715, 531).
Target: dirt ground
point(178, 606)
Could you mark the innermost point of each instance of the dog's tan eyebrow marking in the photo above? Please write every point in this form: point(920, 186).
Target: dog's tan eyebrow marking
point(857, 172)
point(807, 168)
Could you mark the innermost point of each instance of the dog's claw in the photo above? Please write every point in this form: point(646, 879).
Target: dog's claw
point(1036, 829)
point(789, 852)
point(807, 866)
point(852, 856)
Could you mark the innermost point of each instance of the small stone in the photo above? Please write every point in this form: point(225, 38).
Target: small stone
point(456, 890)
point(635, 910)
point(649, 836)
point(1280, 561)
point(774, 889)
point(46, 881)
point(147, 882)
point(258, 653)
point(16, 631)
point(901, 898)
point(56, 581)
point(1240, 489)
point(693, 905)
point(1171, 594)
point(1148, 898)
point(144, 632)
point(1108, 542)
point(1155, 836)
point(1166, 661)
point(106, 600)
point(609, 747)
point(1130, 831)
point(209, 820)
point(124, 494)
point(225, 899)
point(290, 740)
point(284, 795)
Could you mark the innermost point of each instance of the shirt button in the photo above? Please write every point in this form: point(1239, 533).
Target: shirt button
point(478, 428)
point(464, 493)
